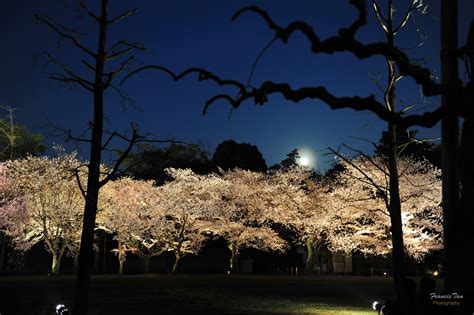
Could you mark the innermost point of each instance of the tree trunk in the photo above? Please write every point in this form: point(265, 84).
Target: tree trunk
point(146, 263)
point(394, 203)
point(176, 261)
point(4, 250)
point(104, 253)
point(75, 262)
point(449, 145)
point(122, 257)
point(310, 260)
point(121, 265)
point(56, 262)
point(234, 259)
point(55, 265)
point(465, 233)
point(81, 300)
point(396, 223)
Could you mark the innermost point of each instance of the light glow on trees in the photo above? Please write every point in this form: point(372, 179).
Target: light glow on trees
point(52, 204)
point(359, 202)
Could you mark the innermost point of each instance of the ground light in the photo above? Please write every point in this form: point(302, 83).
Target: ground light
point(377, 306)
point(61, 309)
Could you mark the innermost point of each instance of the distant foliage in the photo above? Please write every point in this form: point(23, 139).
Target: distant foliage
point(149, 162)
point(15, 141)
point(230, 155)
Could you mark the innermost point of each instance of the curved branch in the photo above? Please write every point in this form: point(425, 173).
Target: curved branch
point(203, 75)
point(68, 35)
point(345, 42)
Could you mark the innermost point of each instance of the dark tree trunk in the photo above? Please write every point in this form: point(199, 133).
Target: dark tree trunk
point(449, 145)
point(146, 263)
point(75, 262)
point(4, 251)
point(396, 223)
point(81, 301)
point(394, 203)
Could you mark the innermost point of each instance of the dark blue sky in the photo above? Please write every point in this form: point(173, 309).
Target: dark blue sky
point(181, 34)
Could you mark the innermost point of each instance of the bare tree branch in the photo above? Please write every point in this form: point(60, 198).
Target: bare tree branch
point(405, 18)
point(78, 179)
point(111, 75)
point(380, 18)
point(71, 77)
point(88, 65)
point(134, 139)
point(121, 48)
point(131, 143)
point(68, 34)
point(88, 11)
point(367, 177)
point(367, 158)
point(122, 16)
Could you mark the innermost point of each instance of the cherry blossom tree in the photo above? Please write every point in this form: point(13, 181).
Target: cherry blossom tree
point(51, 204)
point(130, 210)
point(296, 200)
point(360, 200)
point(188, 204)
point(11, 206)
point(248, 199)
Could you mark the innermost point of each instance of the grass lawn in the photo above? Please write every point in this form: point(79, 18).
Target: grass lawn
point(199, 294)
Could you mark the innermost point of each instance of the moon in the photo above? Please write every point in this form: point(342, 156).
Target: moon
point(304, 161)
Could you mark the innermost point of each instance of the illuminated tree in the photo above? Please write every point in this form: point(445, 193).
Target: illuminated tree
point(187, 203)
point(12, 207)
point(52, 204)
point(360, 203)
point(248, 202)
point(15, 142)
point(131, 212)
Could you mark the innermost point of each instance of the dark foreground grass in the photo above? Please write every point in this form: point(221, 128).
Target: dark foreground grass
point(198, 294)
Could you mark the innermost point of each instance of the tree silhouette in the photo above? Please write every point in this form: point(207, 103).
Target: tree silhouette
point(105, 63)
point(150, 162)
point(230, 154)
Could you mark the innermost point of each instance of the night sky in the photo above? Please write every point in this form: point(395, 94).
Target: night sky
point(181, 34)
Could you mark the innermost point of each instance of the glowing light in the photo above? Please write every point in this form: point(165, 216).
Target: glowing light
point(435, 273)
point(307, 158)
point(61, 309)
point(375, 305)
point(304, 161)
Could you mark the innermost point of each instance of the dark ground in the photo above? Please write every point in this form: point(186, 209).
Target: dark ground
point(198, 294)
